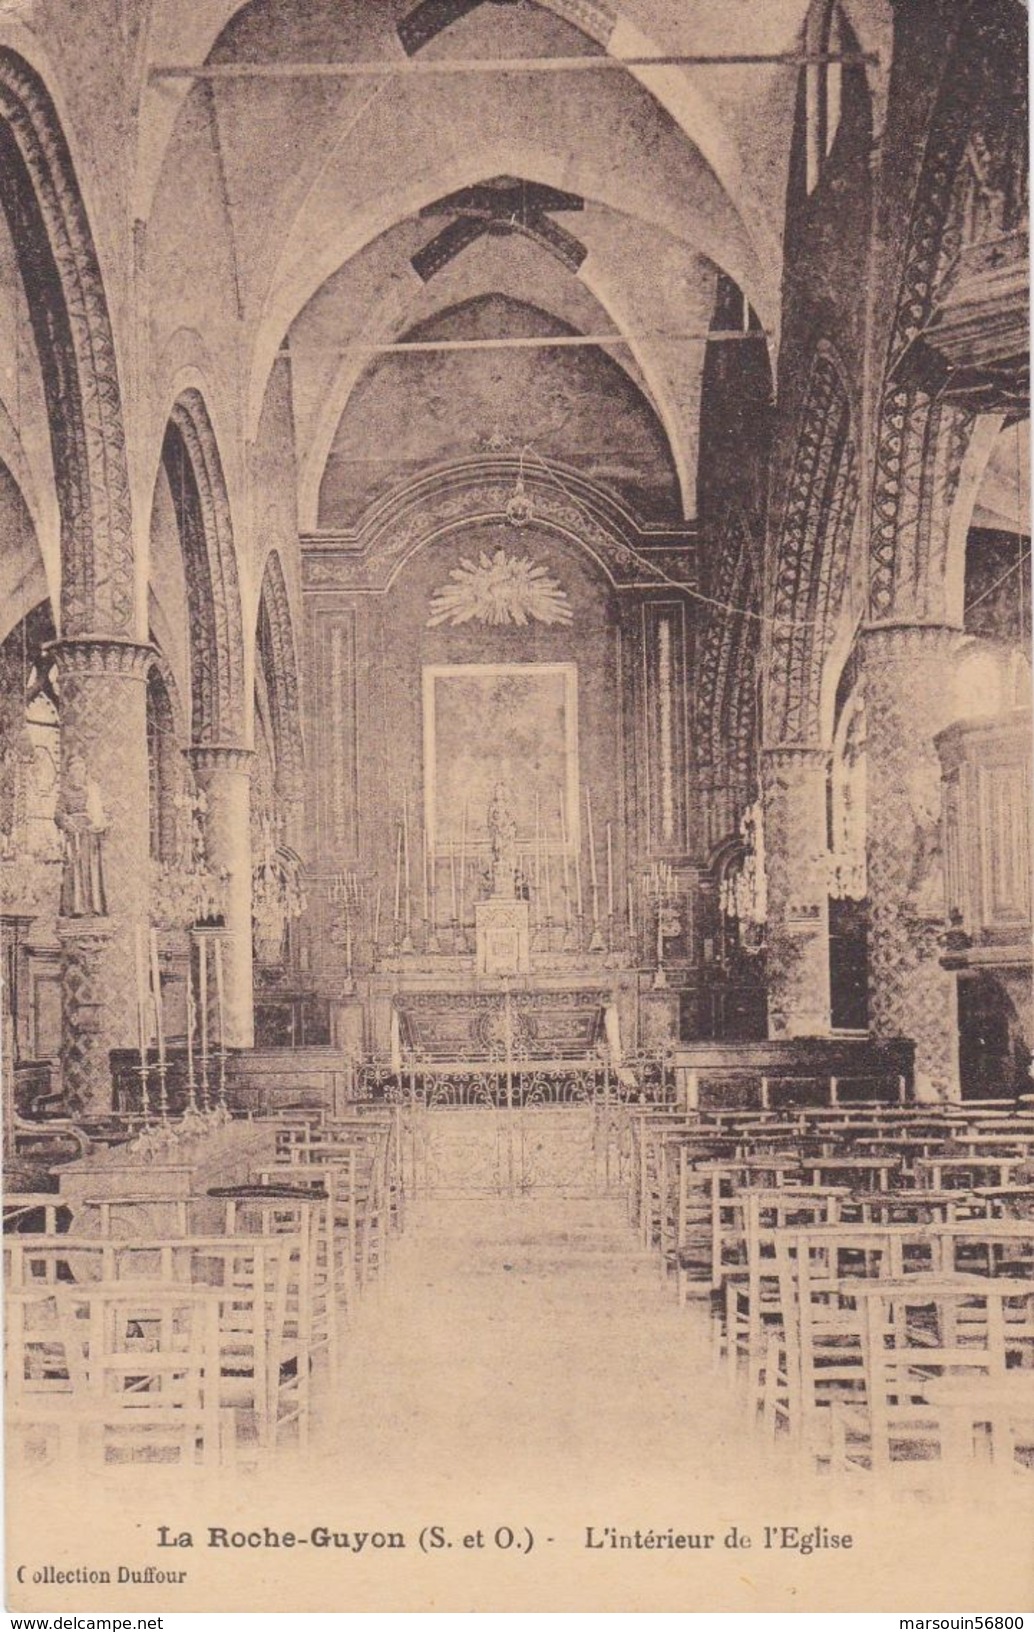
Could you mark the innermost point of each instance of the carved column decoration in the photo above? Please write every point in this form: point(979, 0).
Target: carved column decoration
point(908, 700)
point(797, 944)
point(102, 684)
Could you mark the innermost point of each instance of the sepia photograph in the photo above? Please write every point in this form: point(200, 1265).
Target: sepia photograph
point(515, 806)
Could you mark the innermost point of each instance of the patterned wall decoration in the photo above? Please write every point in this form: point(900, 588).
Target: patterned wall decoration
point(811, 556)
point(664, 658)
point(58, 261)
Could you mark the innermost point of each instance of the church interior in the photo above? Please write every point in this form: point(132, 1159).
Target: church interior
point(515, 730)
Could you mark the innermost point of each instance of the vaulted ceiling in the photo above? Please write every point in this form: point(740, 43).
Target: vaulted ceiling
point(324, 216)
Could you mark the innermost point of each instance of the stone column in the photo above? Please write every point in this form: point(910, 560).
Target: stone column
point(223, 775)
point(909, 698)
point(797, 871)
point(104, 757)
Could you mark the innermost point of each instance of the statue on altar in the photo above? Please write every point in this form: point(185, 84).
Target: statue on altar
point(502, 833)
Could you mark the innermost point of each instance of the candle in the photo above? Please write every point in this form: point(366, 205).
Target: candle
point(377, 918)
point(592, 840)
point(631, 912)
point(538, 845)
point(190, 1017)
point(202, 980)
point(141, 994)
point(549, 886)
point(463, 861)
point(427, 886)
point(563, 852)
point(398, 875)
point(405, 851)
point(610, 874)
point(452, 878)
point(219, 1009)
point(578, 881)
point(156, 997)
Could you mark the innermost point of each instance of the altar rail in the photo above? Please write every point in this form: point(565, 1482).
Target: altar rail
point(706, 1075)
point(642, 1079)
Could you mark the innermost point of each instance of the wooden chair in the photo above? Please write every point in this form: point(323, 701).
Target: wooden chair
point(263, 1210)
point(920, 1337)
point(43, 1214)
point(264, 1343)
point(815, 1356)
point(133, 1378)
point(357, 1198)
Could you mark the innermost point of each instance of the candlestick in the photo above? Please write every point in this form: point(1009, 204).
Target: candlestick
point(463, 861)
point(141, 1015)
point(202, 977)
point(405, 852)
point(156, 1000)
point(191, 1094)
point(377, 919)
point(141, 992)
point(221, 1012)
point(592, 840)
point(156, 997)
point(631, 914)
point(563, 852)
point(219, 1008)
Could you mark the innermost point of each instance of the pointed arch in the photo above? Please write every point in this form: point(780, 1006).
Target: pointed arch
point(810, 557)
point(193, 468)
point(277, 655)
point(68, 308)
point(727, 691)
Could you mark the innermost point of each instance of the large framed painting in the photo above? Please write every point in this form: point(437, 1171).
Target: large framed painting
point(501, 725)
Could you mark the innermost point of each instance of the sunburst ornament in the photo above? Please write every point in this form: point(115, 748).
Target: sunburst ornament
point(500, 589)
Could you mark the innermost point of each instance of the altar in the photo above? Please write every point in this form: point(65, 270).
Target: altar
point(565, 1010)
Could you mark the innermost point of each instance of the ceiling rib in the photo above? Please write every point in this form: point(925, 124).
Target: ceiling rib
point(526, 342)
point(410, 68)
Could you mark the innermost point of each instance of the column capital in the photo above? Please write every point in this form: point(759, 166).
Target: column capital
point(210, 757)
point(96, 655)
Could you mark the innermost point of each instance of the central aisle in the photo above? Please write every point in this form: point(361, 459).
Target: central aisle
point(531, 1338)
